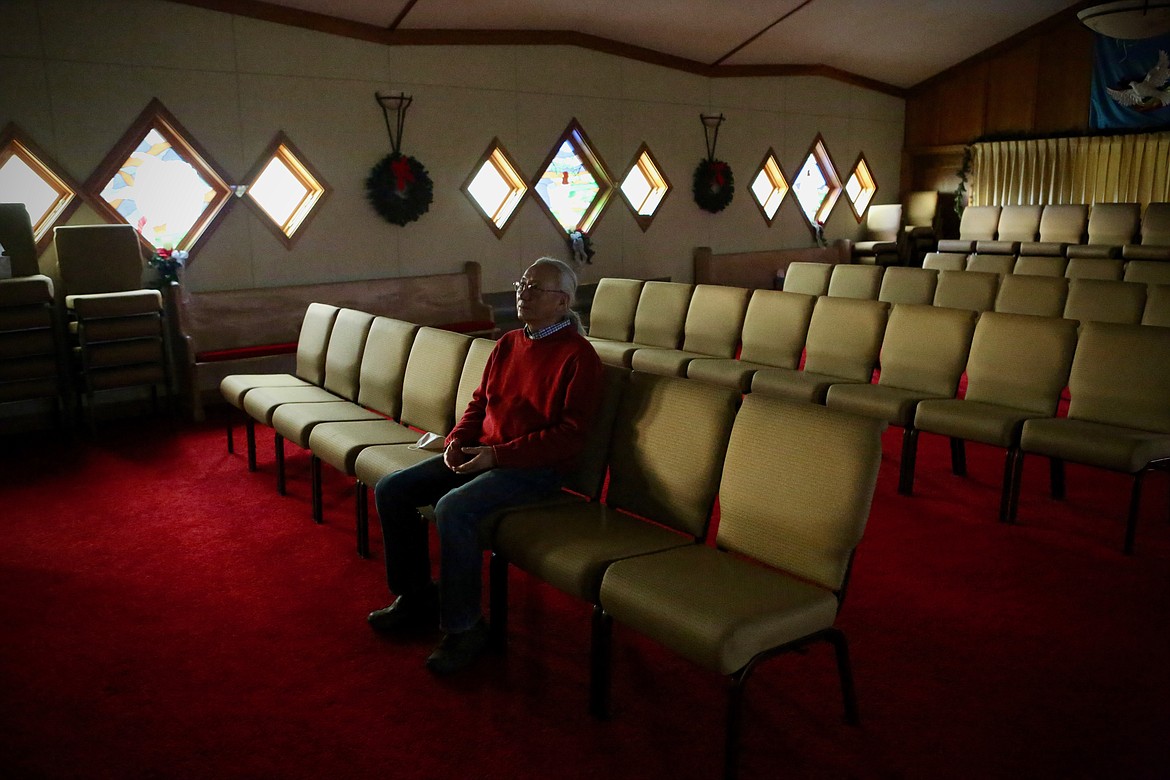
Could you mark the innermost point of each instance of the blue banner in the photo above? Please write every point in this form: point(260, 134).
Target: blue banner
point(1131, 83)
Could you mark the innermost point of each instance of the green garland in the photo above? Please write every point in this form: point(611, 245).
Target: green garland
point(399, 188)
point(714, 185)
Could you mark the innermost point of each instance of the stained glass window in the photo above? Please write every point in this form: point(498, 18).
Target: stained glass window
point(817, 186)
point(770, 187)
point(644, 187)
point(495, 187)
point(574, 186)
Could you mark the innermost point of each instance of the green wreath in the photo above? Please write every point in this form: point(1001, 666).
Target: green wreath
point(399, 188)
point(714, 185)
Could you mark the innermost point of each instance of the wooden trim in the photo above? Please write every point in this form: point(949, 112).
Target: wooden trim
point(644, 221)
point(271, 151)
point(770, 155)
point(13, 134)
point(575, 135)
point(494, 147)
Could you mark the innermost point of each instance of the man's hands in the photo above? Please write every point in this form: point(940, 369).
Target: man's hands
point(468, 460)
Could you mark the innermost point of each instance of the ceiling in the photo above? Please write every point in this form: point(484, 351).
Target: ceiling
point(895, 42)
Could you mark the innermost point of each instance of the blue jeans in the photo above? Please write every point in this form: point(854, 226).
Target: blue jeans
point(462, 502)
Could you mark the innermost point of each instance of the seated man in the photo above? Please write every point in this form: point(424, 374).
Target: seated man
point(525, 425)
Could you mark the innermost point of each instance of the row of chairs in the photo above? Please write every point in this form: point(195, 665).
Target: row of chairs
point(825, 350)
point(1072, 230)
point(1081, 299)
point(774, 578)
point(1108, 268)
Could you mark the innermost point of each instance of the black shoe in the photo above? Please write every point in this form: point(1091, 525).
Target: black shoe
point(409, 613)
point(457, 651)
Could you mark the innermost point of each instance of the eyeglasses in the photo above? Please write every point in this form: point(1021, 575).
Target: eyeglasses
point(524, 286)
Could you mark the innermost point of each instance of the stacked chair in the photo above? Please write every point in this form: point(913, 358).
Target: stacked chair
point(879, 242)
point(921, 227)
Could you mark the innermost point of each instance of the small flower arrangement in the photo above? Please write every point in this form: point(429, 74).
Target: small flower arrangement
point(167, 263)
point(580, 248)
point(820, 231)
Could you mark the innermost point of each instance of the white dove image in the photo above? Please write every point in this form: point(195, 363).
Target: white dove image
point(1151, 92)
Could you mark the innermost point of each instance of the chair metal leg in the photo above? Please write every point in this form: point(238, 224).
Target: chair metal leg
point(600, 663)
point(498, 601)
point(1135, 501)
point(731, 736)
point(845, 672)
point(362, 519)
point(250, 433)
point(279, 441)
point(1056, 477)
point(1013, 470)
point(958, 457)
point(909, 460)
point(231, 439)
point(315, 482)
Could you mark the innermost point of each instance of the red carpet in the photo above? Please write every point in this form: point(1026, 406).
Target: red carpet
point(167, 615)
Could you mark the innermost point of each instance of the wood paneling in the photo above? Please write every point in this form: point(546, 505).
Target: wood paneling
point(1065, 80)
point(961, 105)
point(1011, 90)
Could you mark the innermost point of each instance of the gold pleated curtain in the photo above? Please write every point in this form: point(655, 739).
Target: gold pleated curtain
point(1042, 171)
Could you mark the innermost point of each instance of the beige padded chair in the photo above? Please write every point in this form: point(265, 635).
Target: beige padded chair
point(1107, 268)
point(878, 244)
point(1111, 226)
point(1147, 271)
point(569, 546)
point(1157, 311)
point(971, 290)
point(712, 329)
point(1016, 225)
point(1038, 265)
point(776, 577)
point(844, 337)
point(1016, 370)
point(1100, 300)
point(945, 261)
point(773, 336)
point(808, 278)
point(18, 239)
point(920, 211)
point(923, 354)
point(856, 281)
point(312, 344)
point(611, 317)
point(1155, 236)
point(1043, 296)
point(1118, 415)
point(658, 322)
point(991, 263)
point(908, 285)
point(95, 259)
point(978, 223)
point(32, 344)
point(1060, 226)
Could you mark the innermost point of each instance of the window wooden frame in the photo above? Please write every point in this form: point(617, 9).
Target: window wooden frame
point(575, 135)
point(14, 142)
point(499, 158)
point(866, 179)
point(657, 179)
point(820, 154)
point(770, 161)
point(282, 148)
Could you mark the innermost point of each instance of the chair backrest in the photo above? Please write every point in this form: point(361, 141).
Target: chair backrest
point(856, 281)
point(797, 485)
point(844, 337)
point(1064, 224)
point(662, 313)
point(1020, 361)
point(1094, 268)
point(991, 264)
point(18, 239)
point(1039, 265)
point(98, 258)
point(384, 365)
point(925, 348)
point(587, 476)
point(1099, 300)
point(614, 304)
point(343, 358)
point(1019, 223)
point(1147, 271)
point(1113, 224)
point(921, 208)
point(1156, 225)
point(979, 223)
point(908, 285)
point(1157, 311)
point(973, 290)
point(775, 327)
point(433, 371)
point(808, 278)
point(652, 473)
point(1043, 296)
point(714, 319)
point(313, 341)
point(1121, 376)
point(945, 261)
point(883, 222)
point(470, 377)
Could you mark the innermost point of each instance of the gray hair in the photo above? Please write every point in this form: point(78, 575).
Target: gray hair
point(566, 283)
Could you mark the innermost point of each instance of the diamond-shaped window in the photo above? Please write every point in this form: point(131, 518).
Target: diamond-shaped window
point(860, 188)
point(574, 186)
point(284, 189)
point(644, 187)
point(159, 181)
point(495, 187)
point(28, 176)
point(770, 187)
point(817, 185)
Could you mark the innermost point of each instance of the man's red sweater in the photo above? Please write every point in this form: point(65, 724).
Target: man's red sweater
point(536, 400)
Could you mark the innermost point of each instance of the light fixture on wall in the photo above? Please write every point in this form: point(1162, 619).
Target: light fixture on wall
point(1128, 19)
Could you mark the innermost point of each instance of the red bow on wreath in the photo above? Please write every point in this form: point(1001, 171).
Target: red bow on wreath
point(718, 169)
point(403, 176)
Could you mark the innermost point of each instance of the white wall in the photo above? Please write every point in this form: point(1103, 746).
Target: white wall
point(75, 73)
